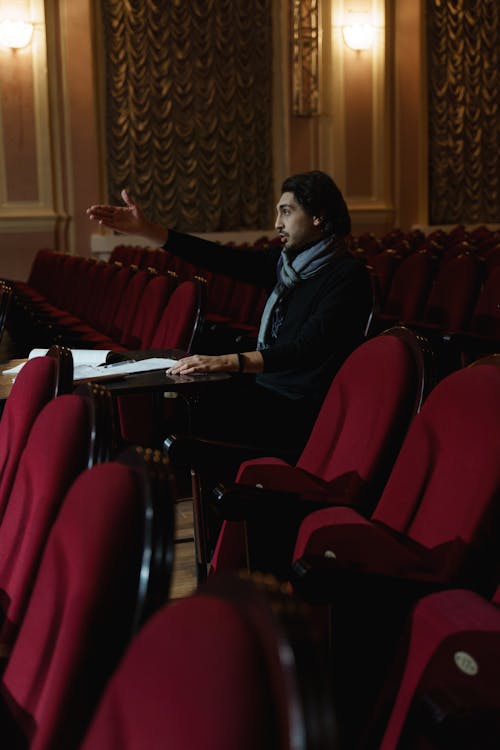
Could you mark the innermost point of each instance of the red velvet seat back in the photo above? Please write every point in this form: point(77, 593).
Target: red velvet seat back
point(176, 329)
point(34, 386)
point(447, 475)
point(365, 412)
point(409, 287)
point(193, 677)
point(152, 304)
point(225, 668)
point(80, 613)
point(128, 305)
point(104, 273)
point(454, 293)
point(486, 316)
point(114, 295)
point(384, 265)
point(88, 290)
point(451, 665)
point(68, 279)
point(181, 318)
point(39, 269)
point(57, 450)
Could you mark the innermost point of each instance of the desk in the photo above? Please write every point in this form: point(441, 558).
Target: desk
point(190, 388)
point(159, 381)
point(155, 383)
point(7, 380)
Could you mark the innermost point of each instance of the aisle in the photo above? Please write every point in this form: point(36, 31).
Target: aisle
point(184, 574)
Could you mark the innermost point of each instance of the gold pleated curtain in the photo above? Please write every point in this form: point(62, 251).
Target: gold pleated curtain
point(189, 110)
point(464, 111)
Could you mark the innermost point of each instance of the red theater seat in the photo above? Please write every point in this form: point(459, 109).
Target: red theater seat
point(100, 574)
point(236, 665)
point(444, 691)
point(347, 458)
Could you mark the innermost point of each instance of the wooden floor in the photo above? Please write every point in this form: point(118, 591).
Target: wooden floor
point(184, 573)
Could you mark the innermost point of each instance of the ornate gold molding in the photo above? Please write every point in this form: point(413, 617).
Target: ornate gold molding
point(305, 57)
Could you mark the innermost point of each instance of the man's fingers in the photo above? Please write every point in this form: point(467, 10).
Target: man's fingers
point(126, 198)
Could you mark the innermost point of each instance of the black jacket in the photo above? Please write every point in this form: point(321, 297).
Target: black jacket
point(325, 315)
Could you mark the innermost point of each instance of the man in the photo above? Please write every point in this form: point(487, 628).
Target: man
point(316, 313)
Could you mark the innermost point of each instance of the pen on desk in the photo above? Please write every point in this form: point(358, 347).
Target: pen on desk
point(117, 364)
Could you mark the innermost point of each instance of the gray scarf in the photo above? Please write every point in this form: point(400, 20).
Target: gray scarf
point(306, 264)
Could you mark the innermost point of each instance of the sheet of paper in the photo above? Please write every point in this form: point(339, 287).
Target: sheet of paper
point(118, 369)
point(13, 370)
point(80, 356)
point(91, 357)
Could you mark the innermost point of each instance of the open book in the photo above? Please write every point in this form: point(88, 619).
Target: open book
point(90, 364)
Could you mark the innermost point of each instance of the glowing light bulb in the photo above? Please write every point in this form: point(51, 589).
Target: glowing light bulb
point(15, 34)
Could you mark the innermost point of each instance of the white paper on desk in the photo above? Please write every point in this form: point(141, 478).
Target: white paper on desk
point(118, 369)
point(81, 357)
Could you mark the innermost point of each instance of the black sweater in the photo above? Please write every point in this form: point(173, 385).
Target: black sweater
point(325, 317)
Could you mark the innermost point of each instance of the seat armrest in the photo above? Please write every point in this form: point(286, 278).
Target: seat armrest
point(471, 343)
point(200, 453)
point(318, 579)
point(240, 502)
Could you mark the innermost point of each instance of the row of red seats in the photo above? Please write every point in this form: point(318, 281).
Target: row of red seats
point(85, 567)
point(393, 499)
point(217, 667)
point(84, 303)
point(85, 552)
point(233, 308)
point(457, 301)
point(481, 240)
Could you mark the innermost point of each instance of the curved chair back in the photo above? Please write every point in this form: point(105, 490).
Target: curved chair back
point(182, 318)
point(409, 288)
point(89, 596)
point(152, 304)
point(485, 319)
point(39, 381)
point(438, 514)
point(349, 454)
point(454, 293)
point(235, 665)
point(441, 492)
point(58, 448)
point(447, 693)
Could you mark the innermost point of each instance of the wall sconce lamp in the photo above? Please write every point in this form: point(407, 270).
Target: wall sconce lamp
point(359, 35)
point(15, 34)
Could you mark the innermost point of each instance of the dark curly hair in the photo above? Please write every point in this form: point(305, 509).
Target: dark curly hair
point(319, 196)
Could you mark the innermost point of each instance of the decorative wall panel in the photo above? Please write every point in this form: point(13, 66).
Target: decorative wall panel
point(305, 57)
point(189, 105)
point(464, 115)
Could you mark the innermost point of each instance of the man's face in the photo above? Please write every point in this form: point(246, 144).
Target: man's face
point(296, 227)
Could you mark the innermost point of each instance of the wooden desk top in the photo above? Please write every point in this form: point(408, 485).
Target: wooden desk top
point(155, 381)
point(7, 380)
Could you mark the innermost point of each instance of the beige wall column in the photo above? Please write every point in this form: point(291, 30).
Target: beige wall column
point(352, 136)
point(27, 213)
point(49, 156)
point(410, 104)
